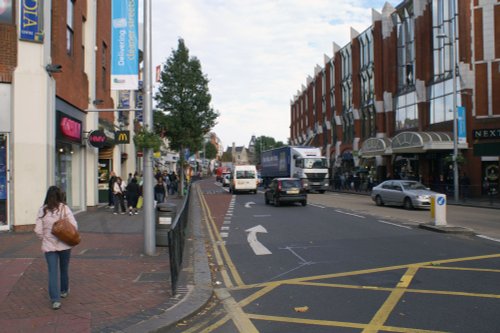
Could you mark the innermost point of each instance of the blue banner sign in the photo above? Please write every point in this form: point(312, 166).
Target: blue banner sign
point(461, 129)
point(124, 45)
point(31, 21)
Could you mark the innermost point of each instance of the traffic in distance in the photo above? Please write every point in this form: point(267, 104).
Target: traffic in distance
point(288, 173)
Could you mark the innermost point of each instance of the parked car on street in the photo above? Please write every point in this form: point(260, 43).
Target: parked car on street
point(407, 193)
point(284, 190)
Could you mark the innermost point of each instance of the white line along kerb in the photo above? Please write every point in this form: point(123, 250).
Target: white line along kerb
point(257, 246)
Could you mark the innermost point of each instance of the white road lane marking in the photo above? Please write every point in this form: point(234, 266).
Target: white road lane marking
point(394, 224)
point(346, 213)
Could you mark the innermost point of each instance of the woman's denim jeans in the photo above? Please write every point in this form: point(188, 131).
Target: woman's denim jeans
point(58, 261)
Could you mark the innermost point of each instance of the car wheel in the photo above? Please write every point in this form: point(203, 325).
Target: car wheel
point(266, 200)
point(304, 203)
point(321, 191)
point(408, 204)
point(276, 202)
point(378, 200)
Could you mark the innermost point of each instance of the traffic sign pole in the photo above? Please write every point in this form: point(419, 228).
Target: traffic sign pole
point(438, 209)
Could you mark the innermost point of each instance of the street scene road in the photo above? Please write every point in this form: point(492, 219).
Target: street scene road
point(342, 264)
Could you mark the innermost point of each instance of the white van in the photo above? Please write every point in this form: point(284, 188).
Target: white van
point(244, 178)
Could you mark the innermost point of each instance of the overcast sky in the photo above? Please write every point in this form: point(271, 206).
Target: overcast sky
point(256, 53)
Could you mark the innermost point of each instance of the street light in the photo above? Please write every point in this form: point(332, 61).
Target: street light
point(454, 79)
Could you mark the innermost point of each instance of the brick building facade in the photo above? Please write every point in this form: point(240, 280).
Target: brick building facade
point(388, 111)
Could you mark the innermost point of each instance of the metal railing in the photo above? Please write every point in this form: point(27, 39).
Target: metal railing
point(176, 238)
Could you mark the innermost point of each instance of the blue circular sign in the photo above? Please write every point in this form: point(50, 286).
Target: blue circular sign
point(441, 201)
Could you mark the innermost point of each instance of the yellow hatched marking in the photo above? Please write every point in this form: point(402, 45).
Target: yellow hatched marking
point(375, 288)
point(332, 323)
point(385, 310)
point(227, 258)
point(452, 268)
point(376, 270)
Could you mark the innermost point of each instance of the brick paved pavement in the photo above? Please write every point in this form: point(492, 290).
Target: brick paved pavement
point(113, 286)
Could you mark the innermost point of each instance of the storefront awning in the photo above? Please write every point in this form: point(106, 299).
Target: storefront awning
point(375, 147)
point(420, 142)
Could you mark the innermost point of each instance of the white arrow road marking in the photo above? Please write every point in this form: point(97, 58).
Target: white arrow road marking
point(257, 246)
point(247, 205)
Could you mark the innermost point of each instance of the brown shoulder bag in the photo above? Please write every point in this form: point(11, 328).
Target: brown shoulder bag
point(65, 231)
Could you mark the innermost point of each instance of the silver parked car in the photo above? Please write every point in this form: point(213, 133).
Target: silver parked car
point(408, 193)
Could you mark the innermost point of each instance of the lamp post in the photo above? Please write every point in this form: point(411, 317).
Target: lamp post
point(149, 216)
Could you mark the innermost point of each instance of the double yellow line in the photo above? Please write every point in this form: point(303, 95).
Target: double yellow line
point(220, 250)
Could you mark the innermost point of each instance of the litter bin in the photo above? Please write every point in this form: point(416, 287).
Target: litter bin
point(165, 216)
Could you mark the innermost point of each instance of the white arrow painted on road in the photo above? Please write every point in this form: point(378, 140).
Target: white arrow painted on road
point(247, 205)
point(257, 246)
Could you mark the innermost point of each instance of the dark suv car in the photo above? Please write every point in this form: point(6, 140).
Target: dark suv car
point(283, 190)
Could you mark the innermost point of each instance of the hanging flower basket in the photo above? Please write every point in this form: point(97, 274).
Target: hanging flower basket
point(145, 139)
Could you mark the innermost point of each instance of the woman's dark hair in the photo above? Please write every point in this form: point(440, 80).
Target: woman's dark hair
point(53, 199)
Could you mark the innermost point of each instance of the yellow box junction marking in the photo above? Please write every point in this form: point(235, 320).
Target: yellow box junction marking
point(377, 322)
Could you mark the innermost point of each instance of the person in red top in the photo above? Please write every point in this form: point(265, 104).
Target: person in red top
point(57, 253)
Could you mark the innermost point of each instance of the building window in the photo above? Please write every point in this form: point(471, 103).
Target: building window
point(444, 16)
point(367, 84)
point(70, 27)
point(404, 20)
point(406, 111)
point(104, 53)
point(346, 86)
point(7, 12)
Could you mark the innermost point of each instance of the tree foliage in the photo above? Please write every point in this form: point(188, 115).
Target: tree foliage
point(184, 98)
point(210, 150)
point(263, 143)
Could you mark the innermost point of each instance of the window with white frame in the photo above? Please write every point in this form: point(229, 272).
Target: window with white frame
point(70, 26)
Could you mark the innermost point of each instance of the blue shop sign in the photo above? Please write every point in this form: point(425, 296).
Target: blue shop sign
point(31, 21)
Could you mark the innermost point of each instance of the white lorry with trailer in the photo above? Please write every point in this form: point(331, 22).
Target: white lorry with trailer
point(303, 162)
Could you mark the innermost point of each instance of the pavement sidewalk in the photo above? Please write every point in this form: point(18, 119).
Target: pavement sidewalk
point(114, 287)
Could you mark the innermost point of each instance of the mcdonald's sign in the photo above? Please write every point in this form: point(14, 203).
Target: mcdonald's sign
point(122, 137)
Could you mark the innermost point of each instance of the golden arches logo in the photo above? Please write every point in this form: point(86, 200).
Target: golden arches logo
point(122, 137)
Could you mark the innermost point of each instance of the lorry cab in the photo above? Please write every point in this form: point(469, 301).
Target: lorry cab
point(244, 179)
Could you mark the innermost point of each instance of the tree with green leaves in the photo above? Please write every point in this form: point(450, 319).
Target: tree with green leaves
point(184, 98)
point(210, 151)
point(263, 143)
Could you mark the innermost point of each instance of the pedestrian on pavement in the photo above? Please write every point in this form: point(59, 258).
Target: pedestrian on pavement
point(133, 193)
point(57, 253)
point(159, 191)
point(118, 192)
point(111, 182)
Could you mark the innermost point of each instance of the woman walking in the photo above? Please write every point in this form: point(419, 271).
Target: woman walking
point(118, 189)
point(57, 253)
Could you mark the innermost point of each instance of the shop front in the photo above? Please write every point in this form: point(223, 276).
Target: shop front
point(69, 175)
point(5, 166)
point(487, 147)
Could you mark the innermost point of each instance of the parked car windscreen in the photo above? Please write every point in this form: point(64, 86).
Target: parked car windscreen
point(413, 186)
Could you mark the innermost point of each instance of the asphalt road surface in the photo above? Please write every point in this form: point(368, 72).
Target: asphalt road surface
point(341, 264)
